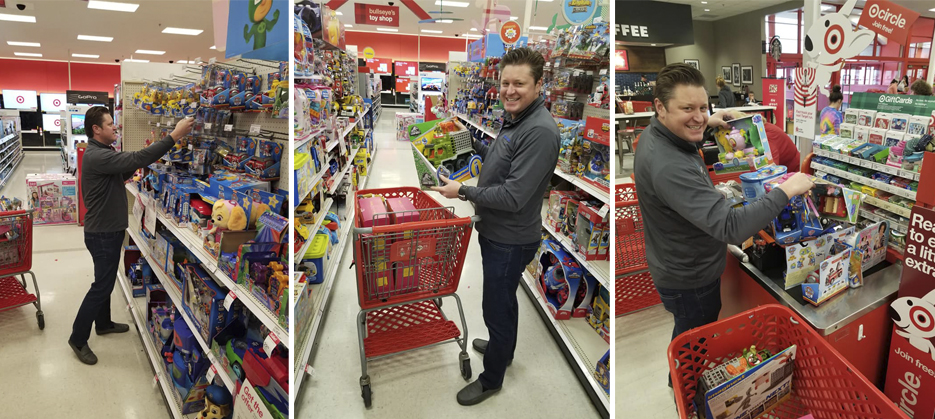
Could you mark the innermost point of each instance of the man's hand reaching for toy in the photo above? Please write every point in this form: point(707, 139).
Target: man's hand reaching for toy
point(449, 190)
point(719, 119)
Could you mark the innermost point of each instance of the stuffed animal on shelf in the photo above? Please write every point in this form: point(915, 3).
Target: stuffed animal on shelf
point(226, 215)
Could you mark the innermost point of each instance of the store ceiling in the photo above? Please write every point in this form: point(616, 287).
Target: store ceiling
point(541, 16)
point(58, 24)
point(720, 9)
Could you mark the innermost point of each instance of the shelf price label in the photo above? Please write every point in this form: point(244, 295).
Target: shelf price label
point(254, 129)
point(229, 300)
point(604, 210)
point(208, 125)
point(212, 372)
point(269, 344)
point(228, 127)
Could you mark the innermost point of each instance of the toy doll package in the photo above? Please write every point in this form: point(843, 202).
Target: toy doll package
point(54, 197)
point(744, 147)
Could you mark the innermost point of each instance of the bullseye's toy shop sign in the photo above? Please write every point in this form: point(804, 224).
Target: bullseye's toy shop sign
point(910, 373)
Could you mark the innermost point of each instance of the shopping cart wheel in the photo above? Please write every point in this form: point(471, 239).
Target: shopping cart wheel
point(365, 393)
point(41, 319)
point(466, 369)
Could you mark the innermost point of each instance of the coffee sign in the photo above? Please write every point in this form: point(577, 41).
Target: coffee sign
point(888, 19)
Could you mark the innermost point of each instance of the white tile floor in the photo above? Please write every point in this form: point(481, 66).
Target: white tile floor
point(641, 388)
point(423, 383)
point(40, 372)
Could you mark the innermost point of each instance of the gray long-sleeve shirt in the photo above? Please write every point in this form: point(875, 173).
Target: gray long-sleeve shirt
point(103, 172)
point(687, 223)
point(516, 172)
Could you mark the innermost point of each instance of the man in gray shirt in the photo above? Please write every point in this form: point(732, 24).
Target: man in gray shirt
point(103, 173)
point(517, 168)
point(687, 223)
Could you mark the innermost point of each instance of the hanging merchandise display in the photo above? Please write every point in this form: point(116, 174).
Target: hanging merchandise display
point(206, 266)
point(337, 104)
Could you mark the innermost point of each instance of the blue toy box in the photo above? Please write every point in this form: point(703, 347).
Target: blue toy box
point(558, 278)
point(204, 301)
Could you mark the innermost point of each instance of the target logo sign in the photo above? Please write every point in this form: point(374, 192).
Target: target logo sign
point(834, 39)
point(58, 122)
point(57, 102)
point(20, 99)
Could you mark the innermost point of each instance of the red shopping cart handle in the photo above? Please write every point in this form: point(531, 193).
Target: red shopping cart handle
point(416, 225)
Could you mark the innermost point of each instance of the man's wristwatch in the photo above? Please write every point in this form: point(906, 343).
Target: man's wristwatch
point(461, 195)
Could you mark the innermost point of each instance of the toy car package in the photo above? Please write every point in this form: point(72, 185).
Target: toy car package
point(750, 393)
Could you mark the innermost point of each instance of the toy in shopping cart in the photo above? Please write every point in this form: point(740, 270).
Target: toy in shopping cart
point(218, 403)
point(739, 389)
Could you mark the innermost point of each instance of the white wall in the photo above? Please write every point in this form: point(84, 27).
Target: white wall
point(141, 72)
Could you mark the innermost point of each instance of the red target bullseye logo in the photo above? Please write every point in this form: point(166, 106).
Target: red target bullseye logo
point(56, 102)
point(834, 39)
point(921, 319)
point(20, 99)
point(58, 122)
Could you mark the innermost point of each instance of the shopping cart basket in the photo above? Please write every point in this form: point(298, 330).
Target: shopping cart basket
point(403, 271)
point(16, 260)
point(823, 382)
point(634, 289)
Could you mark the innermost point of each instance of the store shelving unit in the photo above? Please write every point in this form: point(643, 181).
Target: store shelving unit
point(599, 268)
point(580, 344)
point(590, 188)
point(321, 293)
point(9, 160)
point(193, 242)
point(476, 125)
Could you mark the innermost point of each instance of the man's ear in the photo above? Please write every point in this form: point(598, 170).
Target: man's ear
point(659, 107)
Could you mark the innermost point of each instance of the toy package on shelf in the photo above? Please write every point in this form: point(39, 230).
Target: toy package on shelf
point(558, 277)
point(743, 147)
point(833, 275)
point(747, 386)
point(596, 146)
point(53, 197)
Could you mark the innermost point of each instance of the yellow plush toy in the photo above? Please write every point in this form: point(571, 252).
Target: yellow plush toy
point(226, 215)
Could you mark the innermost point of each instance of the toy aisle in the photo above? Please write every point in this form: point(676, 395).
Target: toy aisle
point(202, 279)
point(835, 290)
point(370, 327)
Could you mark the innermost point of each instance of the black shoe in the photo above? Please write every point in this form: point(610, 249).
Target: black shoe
point(480, 345)
point(84, 354)
point(474, 393)
point(115, 328)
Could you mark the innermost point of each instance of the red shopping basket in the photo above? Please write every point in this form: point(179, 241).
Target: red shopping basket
point(413, 260)
point(16, 261)
point(823, 384)
point(635, 292)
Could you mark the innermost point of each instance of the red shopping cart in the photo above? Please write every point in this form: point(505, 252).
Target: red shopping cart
point(403, 271)
point(823, 382)
point(16, 261)
point(634, 289)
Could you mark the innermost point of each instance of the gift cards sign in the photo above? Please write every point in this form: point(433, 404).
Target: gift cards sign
point(910, 373)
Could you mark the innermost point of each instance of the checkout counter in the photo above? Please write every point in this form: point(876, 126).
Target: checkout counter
point(856, 322)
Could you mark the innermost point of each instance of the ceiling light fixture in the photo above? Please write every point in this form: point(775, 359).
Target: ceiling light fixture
point(131, 60)
point(652, 45)
point(185, 62)
point(17, 18)
point(444, 21)
point(213, 47)
point(183, 31)
point(538, 28)
point(85, 56)
point(704, 2)
point(473, 29)
point(149, 52)
point(451, 3)
point(112, 6)
point(514, 17)
point(95, 38)
point(347, 25)
point(339, 13)
point(22, 44)
point(707, 10)
point(26, 54)
point(387, 30)
point(430, 31)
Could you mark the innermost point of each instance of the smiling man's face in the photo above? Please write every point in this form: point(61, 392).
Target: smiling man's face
point(518, 88)
point(686, 114)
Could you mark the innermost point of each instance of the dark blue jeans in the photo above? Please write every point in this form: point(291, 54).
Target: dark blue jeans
point(503, 269)
point(105, 252)
point(692, 307)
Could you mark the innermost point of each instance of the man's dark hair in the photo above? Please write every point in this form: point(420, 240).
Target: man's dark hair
point(528, 56)
point(674, 75)
point(921, 87)
point(94, 116)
